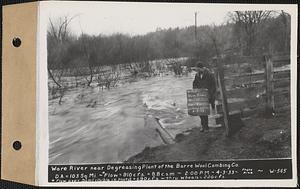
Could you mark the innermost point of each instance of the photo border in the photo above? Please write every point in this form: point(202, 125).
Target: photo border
point(42, 110)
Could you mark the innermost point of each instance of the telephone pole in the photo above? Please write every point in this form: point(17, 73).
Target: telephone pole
point(195, 26)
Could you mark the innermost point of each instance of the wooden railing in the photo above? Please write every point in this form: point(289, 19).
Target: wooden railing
point(261, 84)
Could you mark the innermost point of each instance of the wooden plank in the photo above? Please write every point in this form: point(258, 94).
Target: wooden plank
point(281, 63)
point(223, 96)
point(246, 92)
point(281, 57)
point(278, 71)
point(220, 119)
point(245, 75)
point(235, 64)
point(255, 89)
point(251, 111)
point(282, 90)
point(241, 104)
point(282, 94)
point(257, 77)
point(269, 86)
point(243, 81)
point(279, 83)
point(239, 68)
point(241, 113)
point(253, 60)
point(282, 74)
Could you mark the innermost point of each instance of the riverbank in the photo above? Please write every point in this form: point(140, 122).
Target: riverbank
point(259, 138)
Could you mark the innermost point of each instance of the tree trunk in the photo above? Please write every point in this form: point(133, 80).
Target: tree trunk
point(91, 76)
point(52, 77)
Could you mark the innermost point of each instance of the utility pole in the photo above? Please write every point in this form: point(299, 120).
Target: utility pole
point(196, 27)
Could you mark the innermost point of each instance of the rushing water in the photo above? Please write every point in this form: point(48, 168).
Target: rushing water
point(95, 126)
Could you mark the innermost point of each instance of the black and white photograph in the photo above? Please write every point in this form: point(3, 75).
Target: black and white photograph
point(167, 82)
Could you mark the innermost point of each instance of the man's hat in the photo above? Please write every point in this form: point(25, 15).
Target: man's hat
point(199, 64)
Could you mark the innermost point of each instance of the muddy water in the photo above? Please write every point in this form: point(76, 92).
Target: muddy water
point(95, 126)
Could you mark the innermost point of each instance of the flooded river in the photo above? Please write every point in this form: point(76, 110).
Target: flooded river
point(105, 126)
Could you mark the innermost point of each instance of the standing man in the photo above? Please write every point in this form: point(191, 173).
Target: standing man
point(205, 79)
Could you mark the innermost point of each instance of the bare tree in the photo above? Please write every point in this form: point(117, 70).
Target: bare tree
point(175, 66)
point(108, 78)
point(99, 77)
point(213, 33)
point(248, 23)
point(57, 41)
point(87, 53)
point(58, 34)
point(77, 73)
point(115, 75)
point(147, 68)
point(87, 45)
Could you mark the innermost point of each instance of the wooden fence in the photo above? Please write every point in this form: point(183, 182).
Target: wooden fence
point(247, 85)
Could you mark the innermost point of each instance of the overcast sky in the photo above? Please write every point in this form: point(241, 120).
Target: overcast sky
point(133, 18)
point(137, 18)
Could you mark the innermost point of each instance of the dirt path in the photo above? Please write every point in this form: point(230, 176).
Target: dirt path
point(258, 138)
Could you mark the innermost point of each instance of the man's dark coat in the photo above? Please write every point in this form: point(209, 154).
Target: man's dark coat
point(208, 82)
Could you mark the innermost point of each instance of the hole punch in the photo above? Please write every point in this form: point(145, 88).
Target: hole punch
point(17, 145)
point(16, 42)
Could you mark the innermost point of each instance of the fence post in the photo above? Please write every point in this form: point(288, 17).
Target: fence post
point(270, 106)
point(221, 84)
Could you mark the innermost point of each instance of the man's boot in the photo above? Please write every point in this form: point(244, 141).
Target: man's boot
point(204, 123)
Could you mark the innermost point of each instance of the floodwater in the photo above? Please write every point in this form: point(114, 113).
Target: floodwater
point(109, 126)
